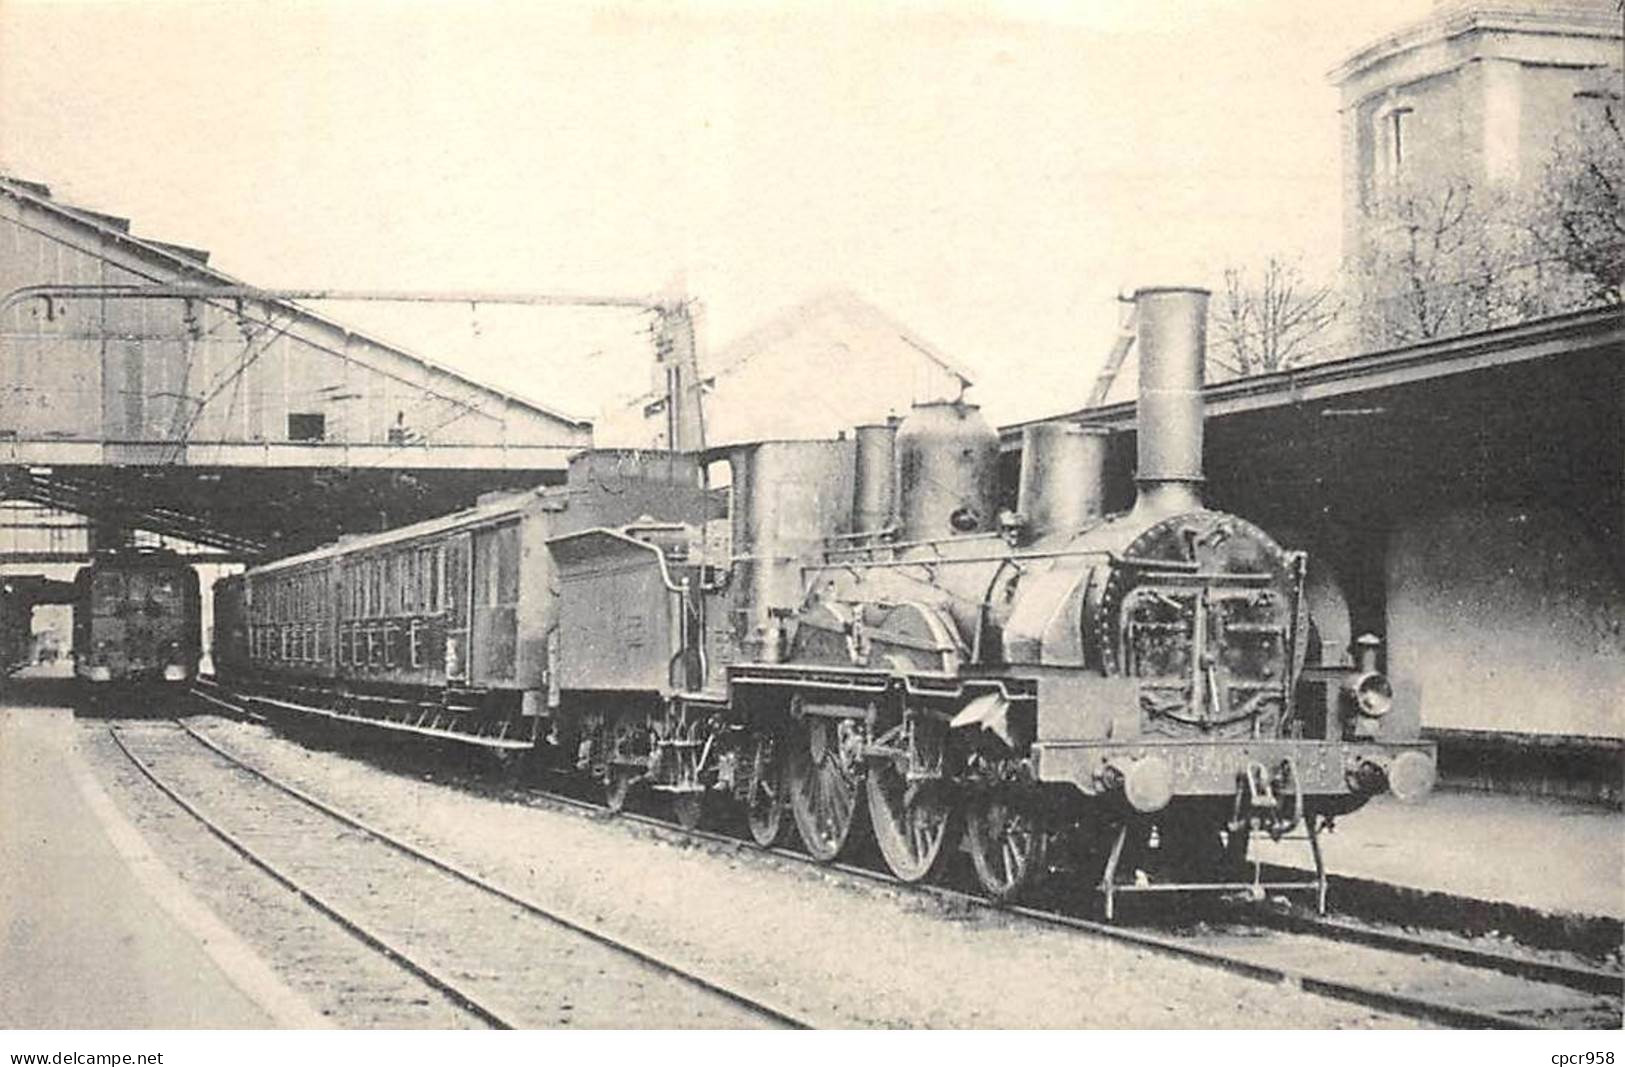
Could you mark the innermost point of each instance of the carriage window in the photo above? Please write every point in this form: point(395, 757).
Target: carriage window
point(496, 566)
point(485, 569)
point(507, 590)
point(437, 574)
point(454, 577)
point(164, 590)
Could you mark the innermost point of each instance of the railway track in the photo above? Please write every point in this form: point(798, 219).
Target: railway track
point(508, 961)
point(1422, 978)
point(1425, 978)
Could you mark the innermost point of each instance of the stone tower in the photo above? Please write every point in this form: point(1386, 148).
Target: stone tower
point(1476, 91)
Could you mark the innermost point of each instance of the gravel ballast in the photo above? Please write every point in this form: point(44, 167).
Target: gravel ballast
point(841, 951)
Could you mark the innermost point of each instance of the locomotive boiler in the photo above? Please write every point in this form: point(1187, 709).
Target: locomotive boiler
point(850, 639)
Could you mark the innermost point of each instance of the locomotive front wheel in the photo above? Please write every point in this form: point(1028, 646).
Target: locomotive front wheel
point(824, 788)
point(616, 788)
point(1006, 846)
point(914, 822)
point(765, 809)
point(688, 809)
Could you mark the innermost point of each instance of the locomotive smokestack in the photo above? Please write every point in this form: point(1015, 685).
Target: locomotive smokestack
point(1172, 335)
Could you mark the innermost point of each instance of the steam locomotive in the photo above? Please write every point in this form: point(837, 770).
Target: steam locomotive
point(852, 639)
point(137, 626)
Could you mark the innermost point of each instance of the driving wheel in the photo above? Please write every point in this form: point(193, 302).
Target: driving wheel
point(824, 783)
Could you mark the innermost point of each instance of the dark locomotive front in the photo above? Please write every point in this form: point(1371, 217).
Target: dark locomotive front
point(137, 624)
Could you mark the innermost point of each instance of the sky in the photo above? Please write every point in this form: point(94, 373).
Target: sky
point(992, 174)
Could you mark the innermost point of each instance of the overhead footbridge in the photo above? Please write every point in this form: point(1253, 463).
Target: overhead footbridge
point(144, 389)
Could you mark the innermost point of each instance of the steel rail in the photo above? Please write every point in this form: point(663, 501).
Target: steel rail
point(689, 973)
point(243, 712)
point(1583, 979)
point(1424, 1008)
point(395, 953)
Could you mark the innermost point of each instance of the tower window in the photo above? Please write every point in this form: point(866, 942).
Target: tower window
point(1399, 134)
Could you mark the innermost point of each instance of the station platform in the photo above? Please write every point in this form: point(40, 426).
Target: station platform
point(97, 933)
point(1551, 856)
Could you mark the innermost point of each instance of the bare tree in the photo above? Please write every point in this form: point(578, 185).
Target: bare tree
point(1575, 215)
point(1270, 323)
point(1442, 257)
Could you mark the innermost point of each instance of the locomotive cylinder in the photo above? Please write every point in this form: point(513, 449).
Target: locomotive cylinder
point(1062, 476)
point(947, 472)
point(875, 494)
point(1172, 335)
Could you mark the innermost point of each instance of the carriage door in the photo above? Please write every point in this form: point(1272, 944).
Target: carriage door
point(455, 588)
point(496, 603)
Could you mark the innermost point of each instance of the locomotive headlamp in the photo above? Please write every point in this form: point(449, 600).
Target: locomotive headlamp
point(1411, 775)
point(1148, 784)
point(1372, 693)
